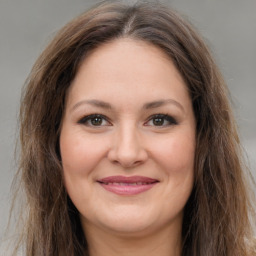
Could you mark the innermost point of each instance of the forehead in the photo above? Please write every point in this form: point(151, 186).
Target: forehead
point(128, 54)
point(127, 65)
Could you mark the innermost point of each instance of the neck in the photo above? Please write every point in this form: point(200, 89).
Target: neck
point(165, 242)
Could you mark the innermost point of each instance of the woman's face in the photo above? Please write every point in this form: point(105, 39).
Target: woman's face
point(128, 140)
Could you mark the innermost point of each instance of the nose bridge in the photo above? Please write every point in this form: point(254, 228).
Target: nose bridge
point(127, 139)
point(128, 149)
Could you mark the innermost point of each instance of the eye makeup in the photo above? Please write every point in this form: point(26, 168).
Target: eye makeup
point(158, 120)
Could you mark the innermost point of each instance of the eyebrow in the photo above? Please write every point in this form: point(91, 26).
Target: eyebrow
point(160, 103)
point(96, 103)
point(149, 105)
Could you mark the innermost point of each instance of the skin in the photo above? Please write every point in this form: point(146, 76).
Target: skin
point(129, 74)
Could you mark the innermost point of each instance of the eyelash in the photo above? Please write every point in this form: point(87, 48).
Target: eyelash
point(164, 117)
point(171, 120)
point(88, 118)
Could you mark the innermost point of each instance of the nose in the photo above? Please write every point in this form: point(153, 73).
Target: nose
point(127, 148)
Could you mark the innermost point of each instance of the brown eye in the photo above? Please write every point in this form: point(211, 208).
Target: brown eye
point(94, 120)
point(161, 120)
point(158, 121)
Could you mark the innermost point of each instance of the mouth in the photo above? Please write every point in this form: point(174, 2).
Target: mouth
point(122, 185)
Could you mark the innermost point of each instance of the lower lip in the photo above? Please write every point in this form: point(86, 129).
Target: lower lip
point(127, 189)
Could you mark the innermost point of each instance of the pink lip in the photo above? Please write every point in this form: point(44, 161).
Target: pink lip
point(122, 185)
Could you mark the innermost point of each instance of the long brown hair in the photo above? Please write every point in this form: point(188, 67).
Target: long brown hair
point(217, 214)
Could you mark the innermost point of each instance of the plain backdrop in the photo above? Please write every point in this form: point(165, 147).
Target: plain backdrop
point(26, 26)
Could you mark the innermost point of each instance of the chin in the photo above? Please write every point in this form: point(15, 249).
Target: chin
point(132, 221)
point(122, 220)
point(128, 226)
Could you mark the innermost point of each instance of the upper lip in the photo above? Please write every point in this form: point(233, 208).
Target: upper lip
point(124, 179)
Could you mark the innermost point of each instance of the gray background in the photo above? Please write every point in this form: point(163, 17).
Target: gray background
point(228, 26)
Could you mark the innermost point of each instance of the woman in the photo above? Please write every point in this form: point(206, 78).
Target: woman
point(128, 143)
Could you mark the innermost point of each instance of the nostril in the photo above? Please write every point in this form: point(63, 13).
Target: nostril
point(126, 164)
point(127, 150)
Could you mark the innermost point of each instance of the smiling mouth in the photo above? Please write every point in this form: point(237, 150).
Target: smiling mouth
point(122, 185)
point(126, 184)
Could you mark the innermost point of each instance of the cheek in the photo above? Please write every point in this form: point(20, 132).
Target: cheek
point(177, 159)
point(176, 154)
point(79, 154)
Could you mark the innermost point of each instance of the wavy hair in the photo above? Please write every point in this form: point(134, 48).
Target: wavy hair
point(218, 213)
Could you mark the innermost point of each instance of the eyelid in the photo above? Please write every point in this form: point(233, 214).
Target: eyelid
point(169, 118)
point(86, 118)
